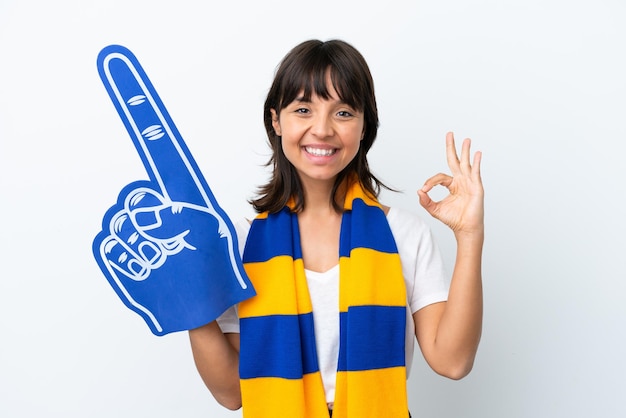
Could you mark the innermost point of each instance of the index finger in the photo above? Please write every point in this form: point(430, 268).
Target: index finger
point(159, 144)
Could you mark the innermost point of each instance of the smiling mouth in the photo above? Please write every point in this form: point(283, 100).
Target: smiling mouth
point(319, 152)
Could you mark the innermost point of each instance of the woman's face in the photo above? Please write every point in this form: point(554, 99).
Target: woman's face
point(320, 137)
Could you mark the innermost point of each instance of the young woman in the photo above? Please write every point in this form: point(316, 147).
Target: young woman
point(344, 284)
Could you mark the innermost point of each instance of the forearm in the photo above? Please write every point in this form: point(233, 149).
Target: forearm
point(216, 356)
point(460, 327)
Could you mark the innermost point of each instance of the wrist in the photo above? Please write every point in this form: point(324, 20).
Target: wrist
point(473, 237)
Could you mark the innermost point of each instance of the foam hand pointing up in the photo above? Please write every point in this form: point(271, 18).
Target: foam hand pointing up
point(166, 247)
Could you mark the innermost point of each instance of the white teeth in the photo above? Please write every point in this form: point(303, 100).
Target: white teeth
point(320, 152)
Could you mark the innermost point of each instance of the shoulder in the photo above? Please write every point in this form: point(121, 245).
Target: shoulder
point(405, 224)
point(413, 236)
point(422, 265)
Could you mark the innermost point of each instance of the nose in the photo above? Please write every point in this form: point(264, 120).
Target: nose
point(322, 126)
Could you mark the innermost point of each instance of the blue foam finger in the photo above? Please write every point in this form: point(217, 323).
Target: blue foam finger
point(166, 247)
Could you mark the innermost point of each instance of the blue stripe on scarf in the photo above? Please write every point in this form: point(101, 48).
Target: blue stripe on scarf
point(375, 235)
point(285, 346)
point(376, 337)
point(266, 246)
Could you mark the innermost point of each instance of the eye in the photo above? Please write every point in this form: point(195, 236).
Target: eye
point(302, 110)
point(344, 114)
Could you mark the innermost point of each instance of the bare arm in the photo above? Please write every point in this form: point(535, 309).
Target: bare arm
point(449, 332)
point(216, 356)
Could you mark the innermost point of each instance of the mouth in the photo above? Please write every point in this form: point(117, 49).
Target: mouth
point(320, 152)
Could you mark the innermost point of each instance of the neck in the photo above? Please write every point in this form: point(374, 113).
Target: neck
point(317, 196)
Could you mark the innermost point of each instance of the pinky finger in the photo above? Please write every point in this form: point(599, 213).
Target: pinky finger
point(476, 164)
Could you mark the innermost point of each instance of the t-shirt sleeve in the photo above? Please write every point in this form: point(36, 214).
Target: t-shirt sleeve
point(229, 320)
point(422, 264)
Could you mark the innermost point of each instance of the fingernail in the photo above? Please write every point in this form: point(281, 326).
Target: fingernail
point(146, 219)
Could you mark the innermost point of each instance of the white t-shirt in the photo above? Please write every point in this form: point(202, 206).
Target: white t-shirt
point(422, 268)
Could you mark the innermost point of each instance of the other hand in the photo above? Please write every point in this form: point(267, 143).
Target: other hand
point(463, 209)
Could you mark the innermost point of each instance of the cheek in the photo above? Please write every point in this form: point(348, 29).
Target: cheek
point(291, 136)
point(356, 139)
point(355, 152)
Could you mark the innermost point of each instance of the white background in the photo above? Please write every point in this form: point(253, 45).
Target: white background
point(538, 84)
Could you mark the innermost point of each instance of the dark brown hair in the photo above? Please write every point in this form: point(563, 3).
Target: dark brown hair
point(304, 70)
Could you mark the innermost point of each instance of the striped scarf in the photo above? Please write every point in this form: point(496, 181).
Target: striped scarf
point(279, 370)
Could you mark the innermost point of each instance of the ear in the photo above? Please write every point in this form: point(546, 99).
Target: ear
point(275, 122)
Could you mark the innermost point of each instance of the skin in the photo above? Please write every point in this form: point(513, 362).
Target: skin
point(448, 333)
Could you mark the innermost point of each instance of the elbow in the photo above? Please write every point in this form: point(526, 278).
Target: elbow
point(458, 373)
point(228, 397)
point(457, 370)
point(233, 406)
point(232, 403)
point(455, 364)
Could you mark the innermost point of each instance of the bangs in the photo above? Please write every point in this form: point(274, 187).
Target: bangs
point(311, 79)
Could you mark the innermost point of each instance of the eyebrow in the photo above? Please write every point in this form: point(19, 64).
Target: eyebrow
point(301, 99)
